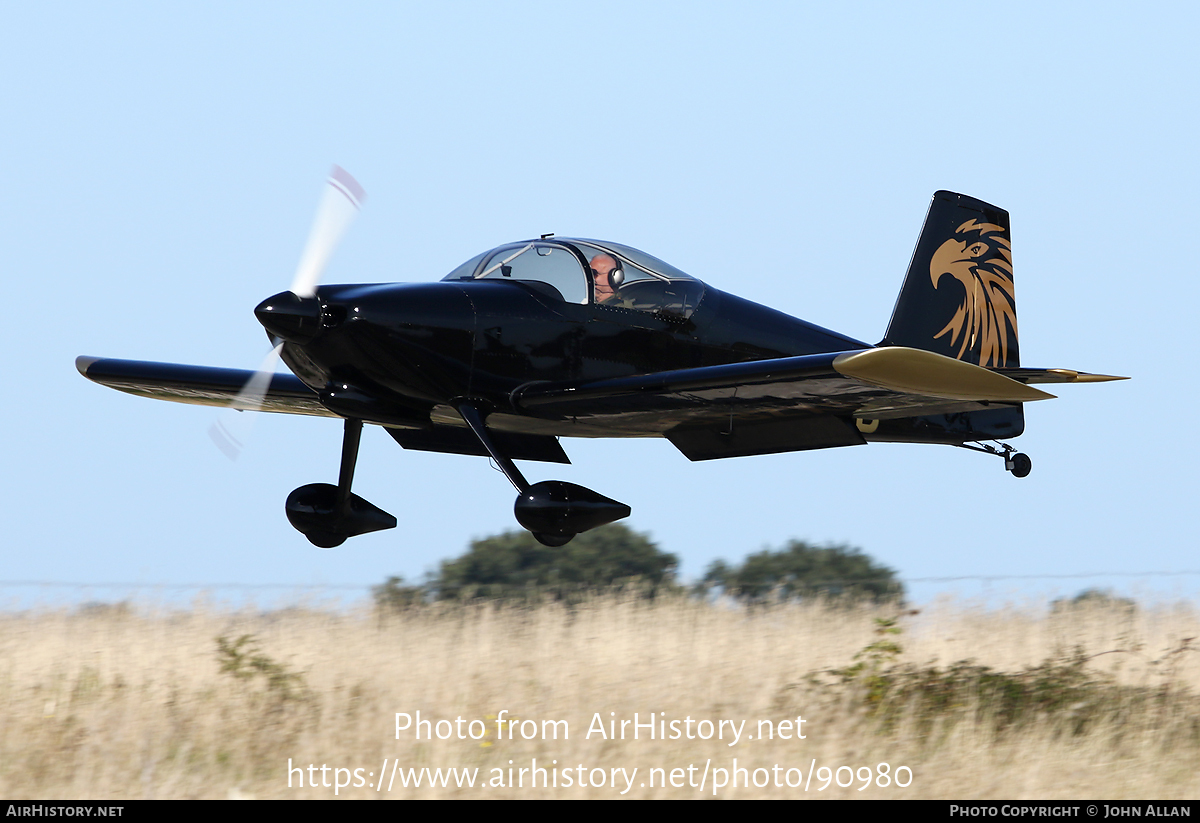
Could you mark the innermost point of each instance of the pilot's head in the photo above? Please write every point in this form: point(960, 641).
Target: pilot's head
point(607, 276)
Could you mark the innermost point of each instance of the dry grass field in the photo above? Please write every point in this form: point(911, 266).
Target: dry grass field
point(125, 702)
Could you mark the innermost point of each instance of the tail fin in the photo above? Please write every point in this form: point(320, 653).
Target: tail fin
point(958, 298)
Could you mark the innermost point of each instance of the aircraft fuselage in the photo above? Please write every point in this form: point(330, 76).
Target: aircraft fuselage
point(412, 347)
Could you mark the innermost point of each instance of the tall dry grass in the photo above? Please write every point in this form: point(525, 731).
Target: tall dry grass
point(132, 703)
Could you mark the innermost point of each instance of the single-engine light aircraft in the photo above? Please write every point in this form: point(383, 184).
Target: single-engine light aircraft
point(566, 337)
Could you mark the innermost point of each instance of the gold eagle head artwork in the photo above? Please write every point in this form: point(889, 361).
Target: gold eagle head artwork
point(979, 258)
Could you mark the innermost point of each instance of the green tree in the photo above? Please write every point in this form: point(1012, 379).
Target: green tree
point(799, 570)
point(1097, 599)
point(393, 595)
point(515, 566)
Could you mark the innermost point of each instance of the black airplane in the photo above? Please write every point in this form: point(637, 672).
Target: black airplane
point(566, 337)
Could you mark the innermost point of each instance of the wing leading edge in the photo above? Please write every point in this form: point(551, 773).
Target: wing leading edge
point(199, 385)
point(206, 386)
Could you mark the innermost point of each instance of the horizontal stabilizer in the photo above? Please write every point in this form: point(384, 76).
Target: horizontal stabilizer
point(915, 371)
point(1057, 376)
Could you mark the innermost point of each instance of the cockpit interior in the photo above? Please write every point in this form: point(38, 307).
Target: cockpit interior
point(607, 275)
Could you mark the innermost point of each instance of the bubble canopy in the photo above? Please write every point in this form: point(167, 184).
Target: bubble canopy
point(588, 271)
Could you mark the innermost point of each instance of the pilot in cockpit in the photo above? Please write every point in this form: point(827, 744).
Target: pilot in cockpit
point(606, 276)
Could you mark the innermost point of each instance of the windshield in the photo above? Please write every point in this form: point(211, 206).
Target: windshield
point(643, 265)
point(605, 274)
point(537, 261)
point(648, 264)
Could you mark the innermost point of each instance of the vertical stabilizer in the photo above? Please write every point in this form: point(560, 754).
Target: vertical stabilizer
point(958, 297)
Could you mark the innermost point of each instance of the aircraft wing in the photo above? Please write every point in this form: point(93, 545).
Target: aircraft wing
point(703, 411)
point(205, 386)
point(200, 385)
point(889, 379)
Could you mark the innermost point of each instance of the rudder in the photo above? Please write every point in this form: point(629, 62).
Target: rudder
point(957, 299)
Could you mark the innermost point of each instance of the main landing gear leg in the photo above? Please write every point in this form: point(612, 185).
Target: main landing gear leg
point(1014, 461)
point(554, 510)
point(327, 514)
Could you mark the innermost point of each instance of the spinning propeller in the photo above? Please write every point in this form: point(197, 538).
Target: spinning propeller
point(294, 309)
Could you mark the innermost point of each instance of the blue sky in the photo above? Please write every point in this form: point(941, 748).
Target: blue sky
point(160, 166)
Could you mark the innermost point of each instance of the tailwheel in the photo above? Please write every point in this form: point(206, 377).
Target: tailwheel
point(1016, 463)
point(1019, 464)
point(552, 540)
